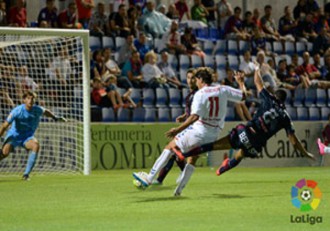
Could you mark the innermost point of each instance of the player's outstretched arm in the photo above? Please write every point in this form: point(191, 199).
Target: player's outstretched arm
point(297, 145)
point(50, 114)
point(257, 79)
point(174, 131)
point(3, 128)
point(239, 76)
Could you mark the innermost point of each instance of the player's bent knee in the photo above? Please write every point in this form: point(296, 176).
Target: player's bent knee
point(192, 160)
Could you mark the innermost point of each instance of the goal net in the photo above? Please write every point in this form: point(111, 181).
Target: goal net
point(55, 65)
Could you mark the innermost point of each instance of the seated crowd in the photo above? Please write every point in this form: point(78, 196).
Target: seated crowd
point(155, 42)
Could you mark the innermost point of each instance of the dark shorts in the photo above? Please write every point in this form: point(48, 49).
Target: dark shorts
point(240, 138)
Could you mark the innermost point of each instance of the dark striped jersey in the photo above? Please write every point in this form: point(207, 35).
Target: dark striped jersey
point(270, 117)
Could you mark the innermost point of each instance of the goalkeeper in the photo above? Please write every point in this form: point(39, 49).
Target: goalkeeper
point(24, 120)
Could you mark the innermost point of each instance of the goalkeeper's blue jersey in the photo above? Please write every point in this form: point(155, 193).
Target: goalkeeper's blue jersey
point(24, 123)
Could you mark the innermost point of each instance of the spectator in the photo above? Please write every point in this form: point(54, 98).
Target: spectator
point(282, 70)
point(248, 24)
point(322, 42)
point(113, 69)
point(172, 12)
point(317, 61)
point(256, 18)
point(114, 5)
point(119, 22)
point(295, 60)
point(305, 30)
point(312, 5)
point(240, 108)
point(27, 82)
point(248, 67)
point(266, 72)
point(322, 23)
point(3, 14)
point(132, 15)
point(233, 27)
point(168, 71)
point(151, 73)
point(17, 15)
point(287, 25)
point(326, 68)
point(48, 15)
point(67, 18)
point(326, 132)
point(300, 10)
point(171, 41)
point(307, 69)
point(105, 96)
point(224, 11)
point(98, 67)
point(183, 9)
point(268, 24)
point(162, 9)
point(258, 41)
point(141, 45)
point(199, 12)
point(98, 25)
point(125, 51)
point(189, 40)
point(152, 22)
point(292, 78)
point(85, 8)
point(211, 8)
point(132, 69)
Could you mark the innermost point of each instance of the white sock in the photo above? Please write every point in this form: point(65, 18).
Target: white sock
point(327, 150)
point(186, 174)
point(159, 164)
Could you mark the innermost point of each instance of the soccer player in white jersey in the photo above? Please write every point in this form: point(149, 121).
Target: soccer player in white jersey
point(204, 124)
point(24, 120)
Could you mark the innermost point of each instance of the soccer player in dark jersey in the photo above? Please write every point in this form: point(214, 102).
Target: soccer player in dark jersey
point(191, 81)
point(252, 137)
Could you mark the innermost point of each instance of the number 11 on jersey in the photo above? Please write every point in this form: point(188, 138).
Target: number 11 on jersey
point(214, 107)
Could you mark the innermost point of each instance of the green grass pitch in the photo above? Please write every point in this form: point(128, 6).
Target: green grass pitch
point(242, 199)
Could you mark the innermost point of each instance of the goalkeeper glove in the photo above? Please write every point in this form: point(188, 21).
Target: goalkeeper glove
point(59, 119)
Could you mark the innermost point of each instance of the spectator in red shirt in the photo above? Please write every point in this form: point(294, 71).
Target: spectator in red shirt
point(85, 11)
point(256, 17)
point(308, 69)
point(17, 15)
point(67, 18)
point(182, 8)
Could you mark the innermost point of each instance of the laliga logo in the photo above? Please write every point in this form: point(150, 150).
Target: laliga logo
point(306, 196)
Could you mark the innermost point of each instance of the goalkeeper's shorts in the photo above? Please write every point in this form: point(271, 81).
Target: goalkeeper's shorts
point(16, 141)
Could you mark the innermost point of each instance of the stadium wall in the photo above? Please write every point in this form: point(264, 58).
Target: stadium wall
point(122, 146)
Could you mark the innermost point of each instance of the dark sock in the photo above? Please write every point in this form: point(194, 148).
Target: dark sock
point(163, 172)
point(198, 150)
point(180, 163)
point(231, 164)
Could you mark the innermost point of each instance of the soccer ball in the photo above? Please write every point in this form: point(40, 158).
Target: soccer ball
point(138, 184)
point(306, 195)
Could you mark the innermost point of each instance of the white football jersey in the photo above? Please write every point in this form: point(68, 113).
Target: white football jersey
point(210, 104)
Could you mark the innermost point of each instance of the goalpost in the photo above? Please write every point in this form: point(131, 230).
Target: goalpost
point(55, 64)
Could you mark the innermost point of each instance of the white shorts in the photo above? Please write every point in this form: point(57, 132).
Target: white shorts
point(191, 138)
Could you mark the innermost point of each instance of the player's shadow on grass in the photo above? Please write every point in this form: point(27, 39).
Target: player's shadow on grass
point(228, 196)
point(154, 199)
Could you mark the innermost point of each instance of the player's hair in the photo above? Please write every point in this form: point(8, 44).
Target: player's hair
point(205, 73)
point(190, 70)
point(280, 95)
point(29, 93)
